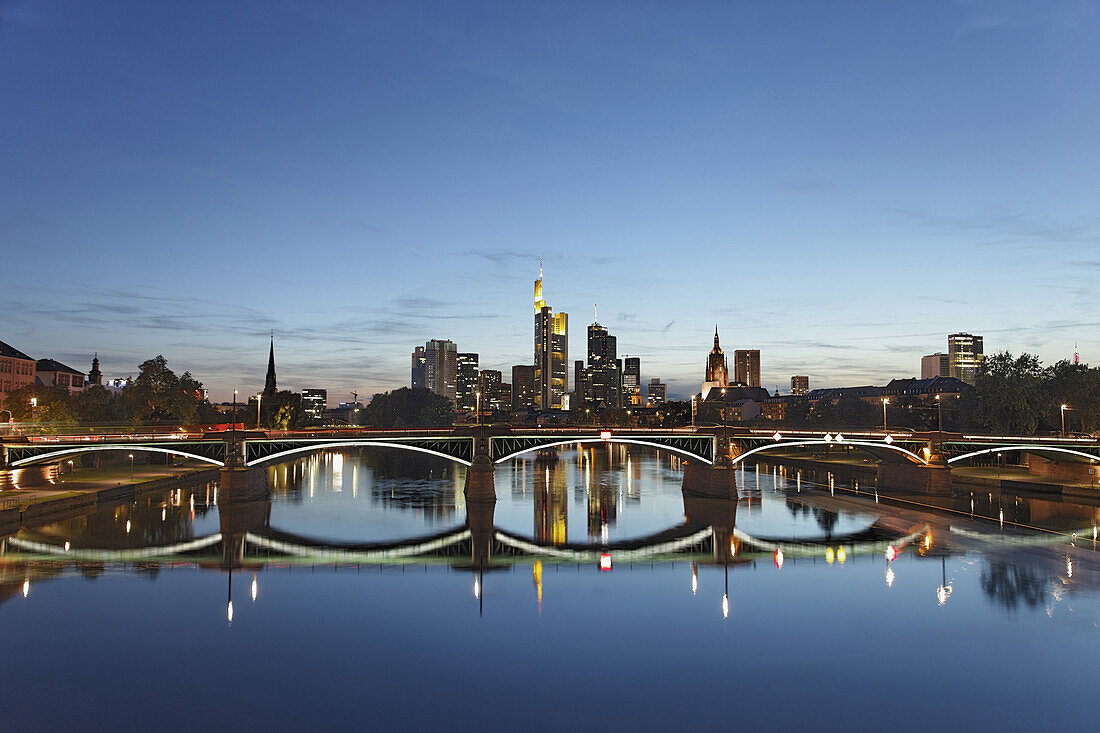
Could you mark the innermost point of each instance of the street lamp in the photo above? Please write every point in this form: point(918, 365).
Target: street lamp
point(1064, 408)
point(259, 401)
point(885, 402)
point(34, 411)
point(478, 404)
point(131, 457)
point(694, 409)
point(939, 409)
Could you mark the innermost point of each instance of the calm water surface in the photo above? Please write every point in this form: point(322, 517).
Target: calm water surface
point(993, 624)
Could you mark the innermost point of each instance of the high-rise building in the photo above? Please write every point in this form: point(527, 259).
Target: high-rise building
point(314, 403)
point(419, 368)
point(717, 374)
point(632, 381)
point(800, 384)
point(524, 387)
point(935, 365)
point(551, 351)
point(746, 367)
point(658, 393)
point(488, 384)
point(269, 384)
point(602, 377)
point(466, 388)
point(441, 368)
point(965, 353)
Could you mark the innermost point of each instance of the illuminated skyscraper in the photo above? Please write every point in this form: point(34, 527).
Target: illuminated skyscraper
point(965, 353)
point(551, 351)
point(658, 392)
point(632, 381)
point(800, 384)
point(746, 367)
point(466, 388)
point(314, 402)
point(602, 378)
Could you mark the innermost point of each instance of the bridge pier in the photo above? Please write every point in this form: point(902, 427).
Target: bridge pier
point(242, 484)
point(480, 521)
point(930, 479)
point(235, 518)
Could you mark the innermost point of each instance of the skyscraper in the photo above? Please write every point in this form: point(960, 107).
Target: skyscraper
point(441, 368)
point(466, 389)
point(551, 351)
point(419, 366)
point(746, 367)
point(800, 384)
point(489, 384)
point(524, 389)
point(717, 375)
point(632, 381)
point(965, 355)
point(602, 379)
point(269, 385)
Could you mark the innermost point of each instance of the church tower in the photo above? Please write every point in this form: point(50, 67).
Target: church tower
point(95, 376)
point(717, 374)
point(269, 385)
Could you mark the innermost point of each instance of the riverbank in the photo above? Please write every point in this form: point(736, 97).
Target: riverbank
point(83, 490)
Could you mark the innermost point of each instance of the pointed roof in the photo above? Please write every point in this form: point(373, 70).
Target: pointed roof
point(717, 349)
point(269, 384)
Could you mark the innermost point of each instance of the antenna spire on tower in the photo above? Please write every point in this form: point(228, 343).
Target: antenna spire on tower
point(595, 313)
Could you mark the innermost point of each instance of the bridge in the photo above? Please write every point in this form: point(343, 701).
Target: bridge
point(915, 459)
point(499, 443)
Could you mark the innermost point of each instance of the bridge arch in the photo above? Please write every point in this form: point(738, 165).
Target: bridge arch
point(1029, 449)
point(353, 444)
point(910, 455)
point(612, 439)
point(46, 457)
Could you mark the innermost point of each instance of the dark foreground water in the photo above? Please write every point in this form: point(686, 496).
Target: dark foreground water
point(977, 624)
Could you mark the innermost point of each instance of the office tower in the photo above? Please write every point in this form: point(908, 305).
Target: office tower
point(524, 388)
point(441, 368)
point(935, 365)
point(632, 381)
point(602, 376)
point(800, 384)
point(965, 355)
point(269, 384)
point(551, 351)
point(717, 374)
point(419, 365)
point(488, 384)
point(746, 367)
point(314, 402)
point(658, 393)
point(466, 388)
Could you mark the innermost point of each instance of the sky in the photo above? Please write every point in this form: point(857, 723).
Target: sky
point(839, 185)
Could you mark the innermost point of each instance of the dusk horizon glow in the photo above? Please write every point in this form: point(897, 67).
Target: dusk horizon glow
point(839, 187)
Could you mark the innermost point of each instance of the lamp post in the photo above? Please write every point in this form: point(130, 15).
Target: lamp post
point(478, 405)
point(1064, 408)
point(131, 457)
point(259, 401)
point(694, 409)
point(939, 410)
point(34, 411)
point(885, 402)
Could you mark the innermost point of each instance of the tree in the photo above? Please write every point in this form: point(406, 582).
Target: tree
point(1007, 395)
point(159, 396)
point(54, 405)
point(98, 406)
point(405, 407)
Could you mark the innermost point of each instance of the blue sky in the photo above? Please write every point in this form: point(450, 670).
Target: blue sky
point(837, 184)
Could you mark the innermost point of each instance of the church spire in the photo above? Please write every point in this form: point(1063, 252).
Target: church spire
point(716, 335)
point(269, 385)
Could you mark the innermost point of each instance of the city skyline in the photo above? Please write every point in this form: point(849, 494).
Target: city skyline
point(905, 174)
